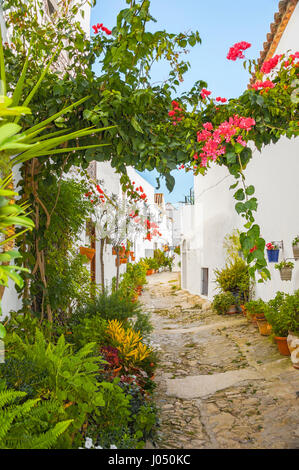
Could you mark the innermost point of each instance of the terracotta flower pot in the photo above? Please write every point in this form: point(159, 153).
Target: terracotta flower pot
point(133, 258)
point(149, 272)
point(113, 251)
point(263, 326)
point(89, 252)
point(232, 310)
point(282, 345)
point(243, 310)
point(123, 260)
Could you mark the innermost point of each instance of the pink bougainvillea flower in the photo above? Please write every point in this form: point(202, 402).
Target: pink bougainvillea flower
point(204, 93)
point(241, 141)
point(222, 100)
point(213, 140)
point(270, 64)
point(266, 84)
point(99, 27)
point(208, 126)
point(235, 51)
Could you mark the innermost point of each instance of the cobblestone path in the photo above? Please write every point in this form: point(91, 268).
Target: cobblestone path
point(220, 384)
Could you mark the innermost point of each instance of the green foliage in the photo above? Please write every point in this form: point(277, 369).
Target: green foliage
point(11, 214)
point(89, 330)
point(141, 322)
point(108, 307)
point(232, 245)
point(284, 264)
point(25, 425)
point(254, 307)
point(67, 277)
point(234, 277)
point(161, 260)
point(222, 302)
point(56, 372)
point(295, 240)
point(123, 94)
point(282, 313)
point(177, 250)
point(136, 273)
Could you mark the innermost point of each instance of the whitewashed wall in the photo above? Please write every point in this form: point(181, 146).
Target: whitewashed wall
point(274, 173)
point(141, 247)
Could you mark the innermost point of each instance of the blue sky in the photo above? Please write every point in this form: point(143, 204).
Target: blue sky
point(221, 23)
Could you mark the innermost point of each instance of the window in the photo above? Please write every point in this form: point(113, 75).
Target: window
point(204, 281)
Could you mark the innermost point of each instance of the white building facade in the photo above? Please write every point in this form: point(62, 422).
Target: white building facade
point(273, 173)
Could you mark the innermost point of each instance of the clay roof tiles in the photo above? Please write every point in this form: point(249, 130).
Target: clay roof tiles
point(281, 19)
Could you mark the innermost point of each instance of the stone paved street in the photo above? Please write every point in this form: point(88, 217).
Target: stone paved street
point(220, 384)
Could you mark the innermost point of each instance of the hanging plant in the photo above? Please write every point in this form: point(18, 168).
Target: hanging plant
point(286, 269)
point(295, 244)
point(272, 252)
point(89, 252)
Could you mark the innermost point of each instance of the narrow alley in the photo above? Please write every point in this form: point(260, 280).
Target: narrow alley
point(220, 384)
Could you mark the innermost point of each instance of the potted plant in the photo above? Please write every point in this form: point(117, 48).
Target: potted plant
point(295, 244)
point(278, 315)
point(234, 278)
point(256, 312)
point(286, 269)
point(224, 303)
point(272, 252)
point(86, 251)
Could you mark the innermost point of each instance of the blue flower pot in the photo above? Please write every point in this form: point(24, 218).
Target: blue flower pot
point(273, 256)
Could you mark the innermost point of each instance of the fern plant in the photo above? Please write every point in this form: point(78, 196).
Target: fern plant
point(56, 372)
point(19, 422)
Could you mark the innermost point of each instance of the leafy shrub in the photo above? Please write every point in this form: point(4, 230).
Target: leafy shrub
point(89, 330)
point(137, 274)
point(254, 307)
point(107, 306)
point(58, 373)
point(25, 425)
point(128, 342)
point(222, 302)
point(163, 260)
point(234, 277)
point(282, 313)
point(141, 322)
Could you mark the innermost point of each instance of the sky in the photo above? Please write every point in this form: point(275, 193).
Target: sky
point(221, 23)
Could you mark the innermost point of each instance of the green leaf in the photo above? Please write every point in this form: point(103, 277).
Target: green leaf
point(250, 190)
point(231, 157)
point(233, 186)
point(170, 182)
point(2, 331)
point(239, 195)
point(8, 130)
point(136, 125)
point(240, 207)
